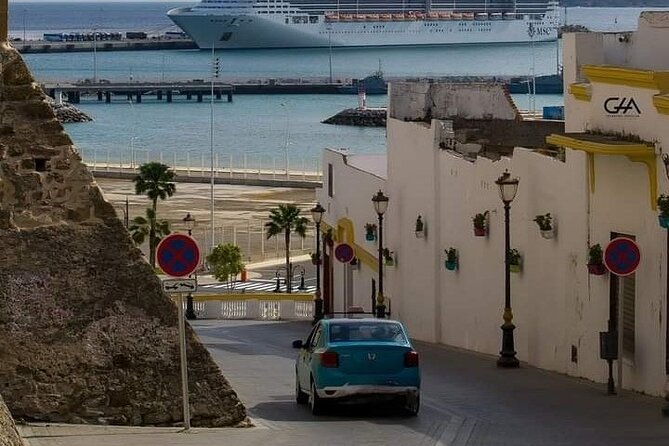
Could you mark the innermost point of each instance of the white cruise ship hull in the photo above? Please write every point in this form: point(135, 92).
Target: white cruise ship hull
point(241, 31)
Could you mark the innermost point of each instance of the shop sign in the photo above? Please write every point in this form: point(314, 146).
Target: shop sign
point(621, 107)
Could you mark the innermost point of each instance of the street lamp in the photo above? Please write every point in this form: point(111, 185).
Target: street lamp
point(507, 191)
point(189, 223)
point(380, 202)
point(317, 214)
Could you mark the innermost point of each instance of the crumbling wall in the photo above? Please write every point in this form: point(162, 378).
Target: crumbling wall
point(8, 434)
point(86, 333)
point(422, 101)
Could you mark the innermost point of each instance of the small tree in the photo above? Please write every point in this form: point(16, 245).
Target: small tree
point(225, 262)
point(142, 228)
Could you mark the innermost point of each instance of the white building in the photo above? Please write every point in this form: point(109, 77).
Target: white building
point(602, 185)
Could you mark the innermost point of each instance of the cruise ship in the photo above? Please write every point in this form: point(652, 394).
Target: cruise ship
point(363, 23)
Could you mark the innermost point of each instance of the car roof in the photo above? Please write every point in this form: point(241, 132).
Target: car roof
point(357, 321)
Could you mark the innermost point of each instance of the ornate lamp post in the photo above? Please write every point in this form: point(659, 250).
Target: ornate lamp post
point(507, 191)
point(317, 214)
point(189, 223)
point(380, 202)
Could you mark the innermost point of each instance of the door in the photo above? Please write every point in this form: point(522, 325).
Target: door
point(306, 356)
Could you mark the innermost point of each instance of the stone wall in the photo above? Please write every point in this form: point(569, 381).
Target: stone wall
point(86, 334)
point(8, 434)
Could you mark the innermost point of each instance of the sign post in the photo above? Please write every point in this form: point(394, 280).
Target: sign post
point(179, 256)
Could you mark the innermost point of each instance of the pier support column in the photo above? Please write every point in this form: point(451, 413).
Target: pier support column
point(199, 97)
point(108, 97)
point(230, 97)
point(129, 97)
point(159, 95)
point(169, 95)
point(218, 94)
point(73, 97)
point(58, 96)
point(139, 98)
point(189, 96)
point(99, 96)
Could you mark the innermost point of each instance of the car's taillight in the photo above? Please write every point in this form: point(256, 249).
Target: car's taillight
point(329, 359)
point(411, 359)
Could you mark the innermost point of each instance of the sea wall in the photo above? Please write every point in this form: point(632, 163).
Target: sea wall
point(86, 333)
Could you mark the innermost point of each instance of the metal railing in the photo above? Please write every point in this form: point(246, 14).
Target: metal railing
point(190, 163)
point(259, 307)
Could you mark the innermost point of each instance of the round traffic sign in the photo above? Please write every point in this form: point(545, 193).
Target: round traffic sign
point(178, 255)
point(622, 256)
point(344, 252)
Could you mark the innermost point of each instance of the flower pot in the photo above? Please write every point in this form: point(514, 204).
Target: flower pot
point(370, 236)
point(548, 233)
point(451, 266)
point(515, 268)
point(664, 221)
point(479, 232)
point(596, 269)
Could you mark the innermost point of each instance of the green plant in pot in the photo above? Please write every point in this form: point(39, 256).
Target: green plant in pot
point(545, 223)
point(451, 262)
point(596, 260)
point(481, 224)
point(388, 257)
point(663, 205)
point(370, 232)
point(515, 261)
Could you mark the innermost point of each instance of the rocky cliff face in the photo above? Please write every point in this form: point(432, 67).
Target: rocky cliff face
point(86, 334)
point(8, 434)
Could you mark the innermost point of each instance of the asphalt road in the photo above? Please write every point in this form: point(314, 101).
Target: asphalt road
point(466, 399)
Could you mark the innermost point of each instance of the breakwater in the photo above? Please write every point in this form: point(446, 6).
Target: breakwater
point(361, 117)
point(157, 43)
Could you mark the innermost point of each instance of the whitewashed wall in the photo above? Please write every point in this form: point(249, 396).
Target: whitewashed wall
point(353, 191)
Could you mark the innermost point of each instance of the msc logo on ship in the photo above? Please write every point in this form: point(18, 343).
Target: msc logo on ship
point(621, 106)
point(538, 31)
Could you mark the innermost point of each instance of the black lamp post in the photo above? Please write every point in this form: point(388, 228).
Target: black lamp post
point(189, 223)
point(380, 202)
point(317, 214)
point(507, 191)
point(665, 408)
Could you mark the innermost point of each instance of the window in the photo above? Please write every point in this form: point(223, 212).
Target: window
point(330, 181)
point(367, 332)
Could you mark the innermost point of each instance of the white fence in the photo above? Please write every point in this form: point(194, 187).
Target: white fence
point(198, 163)
point(257, 309)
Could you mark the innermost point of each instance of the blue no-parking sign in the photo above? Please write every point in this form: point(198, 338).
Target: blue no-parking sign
point(178, 255)
point(622, 256)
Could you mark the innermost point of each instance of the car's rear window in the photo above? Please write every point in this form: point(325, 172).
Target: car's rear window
point(366, 331)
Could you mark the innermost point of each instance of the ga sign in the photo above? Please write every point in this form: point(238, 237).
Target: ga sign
point(617, 106)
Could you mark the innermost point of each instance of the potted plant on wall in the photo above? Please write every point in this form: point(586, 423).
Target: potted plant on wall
point(481, 224)
point(451, 262)
point(370, 232)
point(545, 223)
point(596, 260)
point(663, 205)
point(515, 261)
point(388, 257)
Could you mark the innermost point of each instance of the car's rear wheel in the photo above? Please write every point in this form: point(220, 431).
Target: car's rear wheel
point(315, 402)
point(412, 404)
point(300, 397)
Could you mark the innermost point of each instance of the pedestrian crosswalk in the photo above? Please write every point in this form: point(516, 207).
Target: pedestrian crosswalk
point(255, 286)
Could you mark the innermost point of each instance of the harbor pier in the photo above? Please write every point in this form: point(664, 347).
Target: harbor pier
point(107, 91)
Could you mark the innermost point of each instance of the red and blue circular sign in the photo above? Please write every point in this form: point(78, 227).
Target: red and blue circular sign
point(178, 255)
point(622, 256)
point(344, 252)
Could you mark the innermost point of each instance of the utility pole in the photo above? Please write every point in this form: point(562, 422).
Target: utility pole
point(3, 21)
point(215, 70)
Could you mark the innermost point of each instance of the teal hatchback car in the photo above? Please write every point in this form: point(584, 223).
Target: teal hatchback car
point(349, 360)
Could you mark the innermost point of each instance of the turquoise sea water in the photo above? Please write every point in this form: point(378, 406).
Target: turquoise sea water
point(270, 124)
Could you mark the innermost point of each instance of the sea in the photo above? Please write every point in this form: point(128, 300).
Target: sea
point(260, 130)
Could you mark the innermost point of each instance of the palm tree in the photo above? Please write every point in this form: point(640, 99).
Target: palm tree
point(141, 228)
point(155, 180)
point(286, 219)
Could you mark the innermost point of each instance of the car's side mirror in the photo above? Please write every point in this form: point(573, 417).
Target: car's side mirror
point(298, 344)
